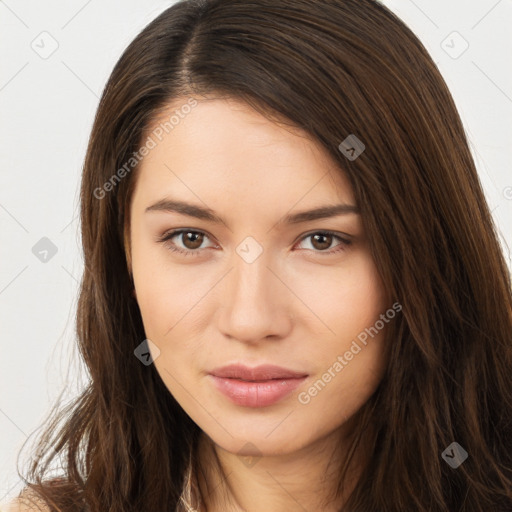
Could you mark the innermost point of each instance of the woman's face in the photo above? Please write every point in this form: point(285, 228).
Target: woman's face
point(263, 286)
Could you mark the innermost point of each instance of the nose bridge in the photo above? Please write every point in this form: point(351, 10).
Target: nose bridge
point(250, 279)
point(253, 303)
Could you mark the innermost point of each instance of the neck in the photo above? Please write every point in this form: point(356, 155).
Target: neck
point(306, 479)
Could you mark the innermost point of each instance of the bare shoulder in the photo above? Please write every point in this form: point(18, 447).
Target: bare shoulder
point(28, 501)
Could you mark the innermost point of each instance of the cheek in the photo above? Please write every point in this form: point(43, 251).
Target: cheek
point(170, 299)
point(346, 298)
point(156, 292)
point(166, 323)
point(349, 352)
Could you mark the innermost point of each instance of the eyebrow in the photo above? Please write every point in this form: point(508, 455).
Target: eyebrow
point(199, 212)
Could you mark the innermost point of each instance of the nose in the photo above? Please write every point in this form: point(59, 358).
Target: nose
point(255, 302)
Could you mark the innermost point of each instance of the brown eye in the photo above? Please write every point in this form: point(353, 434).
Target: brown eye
point(321, 242)
point(192, 239)
point(187, 242)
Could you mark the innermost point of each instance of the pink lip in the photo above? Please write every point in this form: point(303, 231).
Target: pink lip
point(256, 387)
point(262, 372)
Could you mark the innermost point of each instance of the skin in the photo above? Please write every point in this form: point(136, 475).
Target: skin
point(294, 306)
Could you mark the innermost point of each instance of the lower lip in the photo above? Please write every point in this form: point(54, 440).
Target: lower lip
point(256, 394)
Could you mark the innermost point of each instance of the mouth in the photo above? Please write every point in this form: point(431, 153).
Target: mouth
point(256, 387)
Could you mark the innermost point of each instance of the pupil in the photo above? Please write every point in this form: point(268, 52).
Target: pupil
point(323, 245)
point(194, 239)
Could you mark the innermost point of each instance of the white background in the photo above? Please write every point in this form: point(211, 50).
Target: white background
point(47, 108)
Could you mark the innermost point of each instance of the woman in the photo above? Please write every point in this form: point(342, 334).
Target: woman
point(294, 297)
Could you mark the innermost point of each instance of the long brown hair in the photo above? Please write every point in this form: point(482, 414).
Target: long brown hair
point(333, 68)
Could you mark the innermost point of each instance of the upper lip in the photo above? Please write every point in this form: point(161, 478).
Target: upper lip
point(262, 372)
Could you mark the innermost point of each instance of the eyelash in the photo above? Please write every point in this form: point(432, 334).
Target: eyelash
point(166, 240)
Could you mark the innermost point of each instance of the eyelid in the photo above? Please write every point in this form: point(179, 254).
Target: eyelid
point(342, 236)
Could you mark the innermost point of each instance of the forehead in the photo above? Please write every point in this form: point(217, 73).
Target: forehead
point(223, 149)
